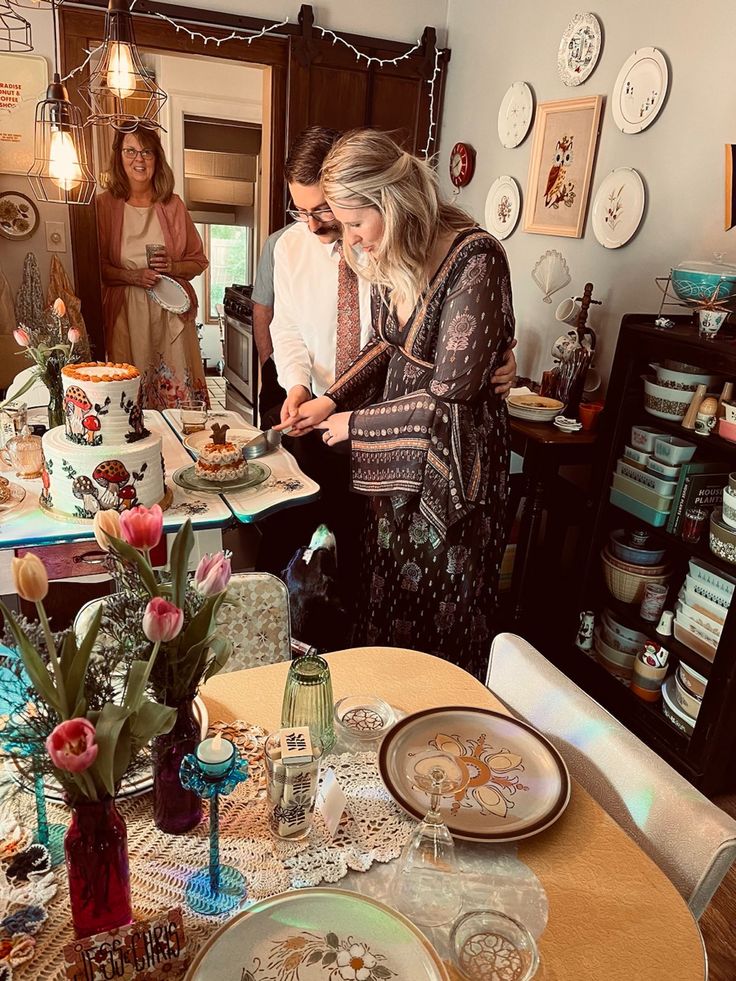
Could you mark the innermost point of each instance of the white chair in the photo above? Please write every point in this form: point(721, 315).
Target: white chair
point(691, 839)
point(255, 617)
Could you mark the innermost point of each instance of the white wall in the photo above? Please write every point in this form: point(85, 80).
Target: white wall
point(680, 157)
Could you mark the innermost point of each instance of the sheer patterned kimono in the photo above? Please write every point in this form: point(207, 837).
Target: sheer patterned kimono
point(433, 455)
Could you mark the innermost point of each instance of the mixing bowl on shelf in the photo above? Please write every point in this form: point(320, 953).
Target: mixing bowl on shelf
point(699, 282)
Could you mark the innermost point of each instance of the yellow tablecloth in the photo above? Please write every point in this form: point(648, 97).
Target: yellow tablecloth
point(613, 915)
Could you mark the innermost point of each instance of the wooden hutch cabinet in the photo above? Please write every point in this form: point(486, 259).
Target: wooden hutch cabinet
point(706, 757)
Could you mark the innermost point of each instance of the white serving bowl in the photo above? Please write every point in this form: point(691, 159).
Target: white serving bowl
point(681, 720)
point(665, 403)
point(534, 408)
point(686, 381)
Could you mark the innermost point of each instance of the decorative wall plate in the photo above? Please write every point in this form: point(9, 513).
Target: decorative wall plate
point(503, 206)
point(355, 937)
point(187, 478)
point(18, 216)
point(580, 47)
point(170, 295)
point(618, 207)
point(640, 90)
point(515, 114)
point(462, 164)
point(519, 784)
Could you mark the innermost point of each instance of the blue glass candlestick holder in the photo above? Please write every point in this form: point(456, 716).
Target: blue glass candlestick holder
point(50, 835)
point(217, 888)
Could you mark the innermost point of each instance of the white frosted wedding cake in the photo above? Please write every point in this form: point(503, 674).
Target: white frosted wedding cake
point(102, 458)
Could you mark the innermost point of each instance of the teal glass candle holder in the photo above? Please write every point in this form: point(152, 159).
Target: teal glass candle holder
point(308, 699)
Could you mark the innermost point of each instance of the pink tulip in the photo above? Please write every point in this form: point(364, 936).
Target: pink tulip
point(212, 574)
point(142, 527)
point(74, 335)
point(21, 337)
point(162, 621)
point(72, 745)
point(59, 307)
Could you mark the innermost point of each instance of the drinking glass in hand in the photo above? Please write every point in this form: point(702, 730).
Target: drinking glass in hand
point(427, 883)
point(151, 251)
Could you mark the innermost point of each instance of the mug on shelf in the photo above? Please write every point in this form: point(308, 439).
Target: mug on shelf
point(567, 311)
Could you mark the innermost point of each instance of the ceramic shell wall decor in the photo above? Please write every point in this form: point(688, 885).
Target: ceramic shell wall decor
point(640, 90)
point(580, 48)
point(515, 115)
point(503, 206)
point(551, 273)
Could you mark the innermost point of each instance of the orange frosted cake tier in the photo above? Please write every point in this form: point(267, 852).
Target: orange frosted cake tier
point(102, 404)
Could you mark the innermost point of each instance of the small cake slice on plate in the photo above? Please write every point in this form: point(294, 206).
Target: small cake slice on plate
point(220, 461)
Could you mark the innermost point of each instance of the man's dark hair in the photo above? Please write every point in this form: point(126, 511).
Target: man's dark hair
point(307, 154)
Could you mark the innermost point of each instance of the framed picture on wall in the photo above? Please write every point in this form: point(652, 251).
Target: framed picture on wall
point(730, 186)
point(561, 167)
point(23, 81)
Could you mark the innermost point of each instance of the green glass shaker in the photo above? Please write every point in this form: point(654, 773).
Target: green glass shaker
point(308, 699)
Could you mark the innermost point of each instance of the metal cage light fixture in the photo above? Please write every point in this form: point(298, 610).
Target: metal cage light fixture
point(15, 31)
point(60, 173)
point(120, 91)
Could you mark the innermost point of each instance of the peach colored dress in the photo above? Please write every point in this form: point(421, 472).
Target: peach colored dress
point(160, 344)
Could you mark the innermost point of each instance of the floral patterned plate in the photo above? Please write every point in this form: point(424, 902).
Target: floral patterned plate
point(187, 478)
point(503, 206)
point(318, 935)
point(518, 783)
point(618, 207)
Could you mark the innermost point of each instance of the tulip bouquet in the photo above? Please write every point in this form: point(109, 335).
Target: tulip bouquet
point(51, 347)
point(91, 729)
point(179, 613)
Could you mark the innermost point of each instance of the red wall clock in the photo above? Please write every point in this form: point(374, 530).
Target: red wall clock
point(462, 164)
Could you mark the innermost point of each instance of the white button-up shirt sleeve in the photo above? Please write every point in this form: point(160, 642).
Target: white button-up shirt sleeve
point(290, 352)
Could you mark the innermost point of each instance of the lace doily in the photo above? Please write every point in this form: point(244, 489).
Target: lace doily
point(160, 865)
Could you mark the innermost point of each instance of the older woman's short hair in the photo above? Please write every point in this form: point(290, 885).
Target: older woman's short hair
point(163, 176)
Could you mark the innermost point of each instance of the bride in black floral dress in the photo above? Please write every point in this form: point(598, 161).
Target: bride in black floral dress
point(428, 435)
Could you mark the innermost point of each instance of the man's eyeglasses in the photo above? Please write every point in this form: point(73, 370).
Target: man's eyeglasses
point(130, 153)
point(321, 214)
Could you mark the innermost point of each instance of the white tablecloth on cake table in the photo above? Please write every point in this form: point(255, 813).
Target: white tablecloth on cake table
point(286, 487)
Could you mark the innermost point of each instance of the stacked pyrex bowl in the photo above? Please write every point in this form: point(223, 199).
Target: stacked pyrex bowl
point(668, 393)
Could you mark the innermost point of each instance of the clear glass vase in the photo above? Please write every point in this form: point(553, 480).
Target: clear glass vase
point(308, 699)
point(175, 809)
point(96, 850)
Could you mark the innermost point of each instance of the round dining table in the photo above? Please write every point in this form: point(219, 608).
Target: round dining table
point(613, 914)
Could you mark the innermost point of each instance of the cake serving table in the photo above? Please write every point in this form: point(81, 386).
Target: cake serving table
point(287, 486)
point(28, 526)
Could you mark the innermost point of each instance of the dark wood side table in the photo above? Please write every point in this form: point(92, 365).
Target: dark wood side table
point(544, 449)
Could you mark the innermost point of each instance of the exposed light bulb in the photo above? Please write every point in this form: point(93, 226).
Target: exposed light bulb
point(121, 75)
point(64, 169)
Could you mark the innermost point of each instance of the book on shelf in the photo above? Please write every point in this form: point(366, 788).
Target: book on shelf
point(700, 485)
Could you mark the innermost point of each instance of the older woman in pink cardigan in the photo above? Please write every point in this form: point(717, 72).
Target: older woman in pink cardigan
point(138, 209)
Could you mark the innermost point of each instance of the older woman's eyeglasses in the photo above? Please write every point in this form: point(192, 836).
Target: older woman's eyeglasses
point(321, 214)
point(130, 153)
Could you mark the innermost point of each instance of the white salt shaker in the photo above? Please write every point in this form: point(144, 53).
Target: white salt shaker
point(664, 627)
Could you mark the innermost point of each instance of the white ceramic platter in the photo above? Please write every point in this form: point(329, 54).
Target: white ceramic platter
point(355, 937)
point(518, 783)
point(580, 47)
point(515, 115)
point(640, 90)
point(618, 207)
point(170, 295)
point(503, 207)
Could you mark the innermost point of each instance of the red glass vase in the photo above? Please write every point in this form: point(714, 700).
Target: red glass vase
point(96, 849)
point(175, 810)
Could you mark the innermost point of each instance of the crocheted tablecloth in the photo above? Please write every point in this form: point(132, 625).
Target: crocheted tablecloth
point(374, 830)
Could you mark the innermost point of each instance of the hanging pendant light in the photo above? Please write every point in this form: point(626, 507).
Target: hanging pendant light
point(15, 31)
point(60, 172)
point(120, 91)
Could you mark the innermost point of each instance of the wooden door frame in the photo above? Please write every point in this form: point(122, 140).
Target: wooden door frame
point(82, 28)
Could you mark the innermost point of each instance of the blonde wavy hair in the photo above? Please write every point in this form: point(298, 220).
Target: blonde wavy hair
point(367, 168)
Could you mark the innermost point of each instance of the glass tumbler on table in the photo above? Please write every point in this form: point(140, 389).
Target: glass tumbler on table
point(193, 415)
point(428, 881)
point(308, 699)
point(488, 945)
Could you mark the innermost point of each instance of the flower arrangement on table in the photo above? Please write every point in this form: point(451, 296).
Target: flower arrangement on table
point(194, 652)
point(87, 720)
point(51, 347)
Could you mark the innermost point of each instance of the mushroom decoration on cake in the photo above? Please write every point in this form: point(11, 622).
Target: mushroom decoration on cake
point(85, 490)
point(92, 427)
point(77, 405)
point(111, 475)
